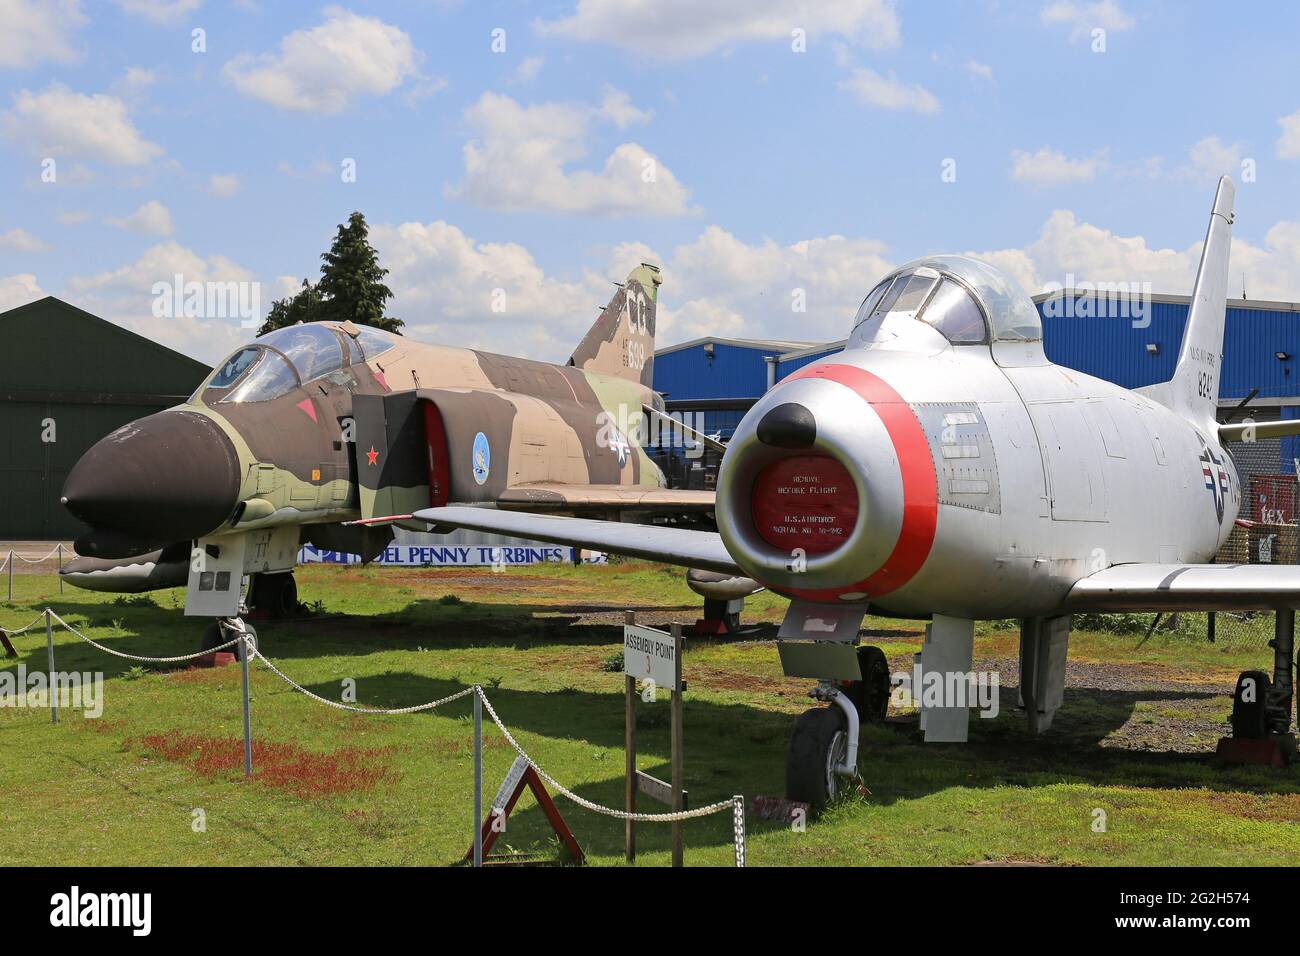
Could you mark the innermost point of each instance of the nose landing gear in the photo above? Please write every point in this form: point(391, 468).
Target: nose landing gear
point(823, 748)
point(1261, 707)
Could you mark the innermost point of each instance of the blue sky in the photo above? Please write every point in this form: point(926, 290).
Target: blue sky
point(522, 169)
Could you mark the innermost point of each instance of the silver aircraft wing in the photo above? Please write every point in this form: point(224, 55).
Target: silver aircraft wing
point(1188, 587)
point(689, 549)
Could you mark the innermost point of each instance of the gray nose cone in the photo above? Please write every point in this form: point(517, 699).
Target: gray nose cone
point(789, 426)
point(172, 476)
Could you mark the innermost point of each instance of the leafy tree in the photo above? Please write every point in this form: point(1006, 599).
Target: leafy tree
point(351, 286)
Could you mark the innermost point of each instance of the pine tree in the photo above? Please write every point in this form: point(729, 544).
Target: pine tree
point(351, 286)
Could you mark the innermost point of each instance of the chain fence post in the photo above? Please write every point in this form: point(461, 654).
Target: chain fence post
point(478, 775)
point(49, 646)
point(738, 819)
point(248, 723)
point(11, 576)
point(60, 567)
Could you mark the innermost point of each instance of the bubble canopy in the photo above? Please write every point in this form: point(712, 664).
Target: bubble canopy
point(280, 361)
point(969, 302)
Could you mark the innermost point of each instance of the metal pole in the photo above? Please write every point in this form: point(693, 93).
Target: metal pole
point(248, 722)
point(1209, 626)
point(49, 645)
point(60, 567)
point(11, 576)
point(678, 802)
point(629, 750)
point(478, 777)
point(1283, 661)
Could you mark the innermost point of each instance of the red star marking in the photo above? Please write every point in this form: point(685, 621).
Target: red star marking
point(372, 455)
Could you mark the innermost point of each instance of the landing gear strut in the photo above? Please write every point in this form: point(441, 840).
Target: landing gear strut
point(214, 636)
point(823, 749)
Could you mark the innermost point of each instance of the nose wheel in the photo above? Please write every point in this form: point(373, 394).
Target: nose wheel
point(823, 751)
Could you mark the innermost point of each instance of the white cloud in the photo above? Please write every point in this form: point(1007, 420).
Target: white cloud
point(18, 290)
point(125, 296)
point(888, 92)
point(519, 156)
point(686, 28)
point(137, 78)
point(152, 218)
point(1048, 167)
point(61, 122)
point(20, 240)
point(1288, 144)
point(1083, 18)
point(1065, 246)
point(982, 70)
point(38, 30)
point(324, 69)
point(1211, 158)
point(223, 185)
point(528, 70)
point(160, 11)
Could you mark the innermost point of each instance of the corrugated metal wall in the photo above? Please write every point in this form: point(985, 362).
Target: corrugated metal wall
point(733, 372)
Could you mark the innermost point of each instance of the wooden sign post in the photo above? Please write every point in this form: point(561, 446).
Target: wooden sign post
point(657, 657)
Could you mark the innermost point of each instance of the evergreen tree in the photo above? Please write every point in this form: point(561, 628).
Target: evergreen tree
point(351, 286)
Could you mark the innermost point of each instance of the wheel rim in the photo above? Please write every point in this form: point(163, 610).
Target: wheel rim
point(835, 757)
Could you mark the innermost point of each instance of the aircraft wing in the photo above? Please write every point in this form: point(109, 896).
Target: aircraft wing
point(1188, 587)
point(544, 496)
point(689, 549)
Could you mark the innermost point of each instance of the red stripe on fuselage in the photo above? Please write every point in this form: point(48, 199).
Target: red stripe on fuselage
point(920, 487)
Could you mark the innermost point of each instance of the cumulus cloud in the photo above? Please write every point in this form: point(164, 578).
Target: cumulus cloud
point(1083, 18)
point(1288, 143)
point(126, 296)
point(1211, 158)
point(1049, 167)
point(160, 11)
point(889, 92)
point(1065, 246)
point(62, 122)
point(520, 156)
point(528, 70)
point(20, 240)
point(688, 28)
point(223, 185)
point(976, 68)
point(38, 30)
point(152, 218)
point(18, 290)
point(324, 69)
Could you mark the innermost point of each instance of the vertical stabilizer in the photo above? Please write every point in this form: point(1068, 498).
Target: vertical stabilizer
point(1193, 392)
point(622, 342)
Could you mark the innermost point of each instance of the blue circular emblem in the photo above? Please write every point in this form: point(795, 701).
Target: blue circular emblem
point(482, 461)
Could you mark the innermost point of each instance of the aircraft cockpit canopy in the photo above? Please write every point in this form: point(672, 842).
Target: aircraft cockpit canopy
point(280, 361)
point(968, 302)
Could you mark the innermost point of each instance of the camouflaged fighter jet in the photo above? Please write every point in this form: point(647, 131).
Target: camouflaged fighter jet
point(318, 424)
point(941, 467)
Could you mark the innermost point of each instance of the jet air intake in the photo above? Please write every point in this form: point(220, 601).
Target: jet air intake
point(826, 492)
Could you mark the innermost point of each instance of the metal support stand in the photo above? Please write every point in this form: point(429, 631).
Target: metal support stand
point(248, 722)
point(629, 758)
point(1283, 663)
point(11, 577)
point(49, 646)
point(60, 567)
point(478, 777)
point(679, 802)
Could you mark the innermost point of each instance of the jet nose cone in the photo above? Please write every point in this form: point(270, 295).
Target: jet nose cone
point(168, 477)
point(788, 426)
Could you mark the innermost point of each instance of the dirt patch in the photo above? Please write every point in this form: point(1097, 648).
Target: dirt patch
point(285, 767)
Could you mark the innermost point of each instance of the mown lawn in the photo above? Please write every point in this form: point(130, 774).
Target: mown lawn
point(335, 788)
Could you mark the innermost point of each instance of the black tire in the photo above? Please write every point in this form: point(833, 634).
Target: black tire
point(1250, 717)
point(816, 746)
point(276, 594)
point(871, 694)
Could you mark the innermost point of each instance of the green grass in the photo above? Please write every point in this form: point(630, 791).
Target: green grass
point(343, 789)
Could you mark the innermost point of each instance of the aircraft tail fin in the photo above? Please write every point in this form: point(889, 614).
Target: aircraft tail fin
point(622, 342)
point(1193, 392)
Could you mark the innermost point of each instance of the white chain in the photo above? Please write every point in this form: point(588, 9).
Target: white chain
point(738, 823)
point(584, 802)
point(21, 630)
point(136, 657)
point(352, 707)
point(35, 560)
